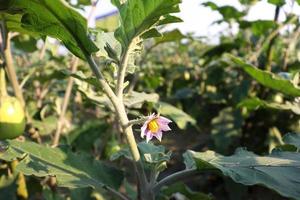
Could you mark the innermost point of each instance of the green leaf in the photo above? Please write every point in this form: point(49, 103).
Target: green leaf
point(71, 170)
point(45, 126)
point(260, 27)
point(103, 39)
point(278, 171)
point(138, 17)
point(277, 2)
point(226, 129)
point(137, 99)
point(268, 79)
point(228, 12)
point(153, 156)
point(170, 36)
point(293, 139)
point(180, 117)
point(56, 19)
point(256, 103)
point(5, 4)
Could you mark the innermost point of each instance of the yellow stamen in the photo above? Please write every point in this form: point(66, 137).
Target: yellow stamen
point(153, 126)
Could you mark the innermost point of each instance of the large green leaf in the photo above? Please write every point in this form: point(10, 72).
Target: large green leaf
point(255, 103)
point(279, 171)
point(71, 170)
point(56, 19)
point(268, 79)
point(138, 16)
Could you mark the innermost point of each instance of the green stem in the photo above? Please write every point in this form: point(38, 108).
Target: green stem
point(185, 174)
point(3, 91)
point(122, 72)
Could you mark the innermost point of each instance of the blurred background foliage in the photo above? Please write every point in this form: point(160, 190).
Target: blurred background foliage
point(214, 104)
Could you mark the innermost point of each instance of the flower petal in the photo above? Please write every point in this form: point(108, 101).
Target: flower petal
point(149, 136)
point(143, 130)
point(158, 135)
point(163, 120)
point(164, 127)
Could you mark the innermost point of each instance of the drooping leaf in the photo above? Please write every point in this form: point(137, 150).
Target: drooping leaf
point(268, 79)
point(71, 170)
point(256, 103)
point(293, 139)
point(170, 36)
point(136, 99)
point(180, 117)
point(228, 12)
point(278, 171)
point(138, 17)
point(56, 19)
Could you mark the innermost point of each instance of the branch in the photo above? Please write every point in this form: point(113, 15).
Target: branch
point(11, 70)
point(185, 174)
point(122, 72)
point(60, 122)
point(137, 121)
point(261, 47)
point(116, 193)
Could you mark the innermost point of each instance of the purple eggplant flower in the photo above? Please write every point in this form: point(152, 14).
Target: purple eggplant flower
point(154, 126)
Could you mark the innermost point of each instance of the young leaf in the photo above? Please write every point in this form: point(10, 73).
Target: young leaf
point(138, 16)
point(56, 19)
point(71, 170)
point(268, 79)
point(278, 171)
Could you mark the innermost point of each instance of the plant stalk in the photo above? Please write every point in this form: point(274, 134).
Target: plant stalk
point(60, 123)
point(122, 115)
point(11, 71)
point(3, 91)
point(122, 72)
point(185, 174)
